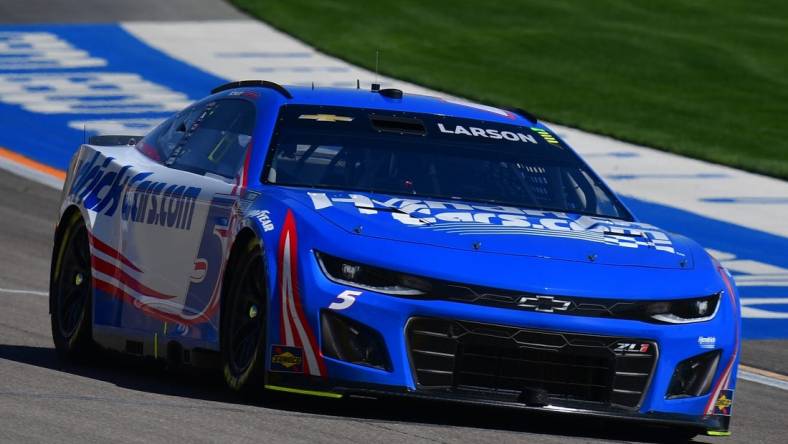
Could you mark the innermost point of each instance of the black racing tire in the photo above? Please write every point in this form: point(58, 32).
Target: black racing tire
point(71, 291)
point(243, 322)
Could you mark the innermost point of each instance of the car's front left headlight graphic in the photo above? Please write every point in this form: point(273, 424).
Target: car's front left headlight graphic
point(684, 311)
point(372, 278)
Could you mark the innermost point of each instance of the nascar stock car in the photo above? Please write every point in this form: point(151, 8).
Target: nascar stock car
point(338, 242)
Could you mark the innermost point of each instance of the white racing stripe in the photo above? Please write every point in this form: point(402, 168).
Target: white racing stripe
point(287, 288)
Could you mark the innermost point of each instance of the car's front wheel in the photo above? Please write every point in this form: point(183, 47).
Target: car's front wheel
point(70, 291)
point(243, 321)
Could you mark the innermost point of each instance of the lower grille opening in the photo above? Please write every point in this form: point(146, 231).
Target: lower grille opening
point(500, 362)
point(511, 369)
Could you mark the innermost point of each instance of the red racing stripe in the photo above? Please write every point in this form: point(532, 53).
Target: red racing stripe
point(116, 272)
point(288, 252)
point(111, 252)
point(245, 173)
point(117, 293)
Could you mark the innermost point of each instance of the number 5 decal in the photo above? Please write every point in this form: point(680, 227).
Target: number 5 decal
point(346, 299)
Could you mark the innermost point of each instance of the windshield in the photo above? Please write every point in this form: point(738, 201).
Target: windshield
point(433, 156)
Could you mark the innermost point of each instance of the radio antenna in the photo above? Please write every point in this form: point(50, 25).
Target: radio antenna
point(358, 84)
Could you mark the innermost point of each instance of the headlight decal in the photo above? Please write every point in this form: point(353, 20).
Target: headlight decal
point(371, 278)
point(685, 311)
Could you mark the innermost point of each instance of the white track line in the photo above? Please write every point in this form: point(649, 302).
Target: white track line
point(16, 291)
point(763, 377)
point(30, 173)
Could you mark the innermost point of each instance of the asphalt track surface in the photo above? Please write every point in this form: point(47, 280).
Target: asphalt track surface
point(104, 11)
point(129, 400)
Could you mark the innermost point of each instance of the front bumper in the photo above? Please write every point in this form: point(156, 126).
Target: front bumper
point(704, 422)
point(390, 316)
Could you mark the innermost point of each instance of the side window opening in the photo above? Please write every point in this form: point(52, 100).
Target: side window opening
point(216, 140)
point(160, 142)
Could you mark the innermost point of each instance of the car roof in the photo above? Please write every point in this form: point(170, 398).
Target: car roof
point(363, 98)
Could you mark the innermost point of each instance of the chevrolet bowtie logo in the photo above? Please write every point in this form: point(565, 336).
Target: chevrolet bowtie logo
point(546, 304)
point(326, 117)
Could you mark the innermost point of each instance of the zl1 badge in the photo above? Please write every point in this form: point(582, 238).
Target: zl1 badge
point(287, 359)
point(724, 402)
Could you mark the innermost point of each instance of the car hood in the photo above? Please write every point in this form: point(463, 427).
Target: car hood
point(498, 229)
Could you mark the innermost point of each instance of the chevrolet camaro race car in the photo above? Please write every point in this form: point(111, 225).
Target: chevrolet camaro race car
point(337, 242)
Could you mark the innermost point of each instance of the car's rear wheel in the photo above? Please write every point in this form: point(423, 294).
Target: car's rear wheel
point(70, 291)
point(244, 321)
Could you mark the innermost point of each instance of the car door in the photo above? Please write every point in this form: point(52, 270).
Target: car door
point(182, 240)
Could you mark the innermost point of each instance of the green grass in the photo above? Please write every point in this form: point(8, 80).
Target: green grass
point(707, 79)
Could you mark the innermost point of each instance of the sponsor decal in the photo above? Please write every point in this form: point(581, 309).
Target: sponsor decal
point(723, 404)
point(632, 347)
point(264, 217)
point(488, 133)
point(248, 94)
point(727, 380)
point(464, 218)
point(161, 203)
point(545, 135)
point(100, 187)
point(707, 341)
point(287, 359)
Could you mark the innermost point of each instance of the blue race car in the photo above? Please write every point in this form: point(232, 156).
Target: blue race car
point(337, 242)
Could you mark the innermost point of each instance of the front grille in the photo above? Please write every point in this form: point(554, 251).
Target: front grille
point(555, 304)
point(500, 362)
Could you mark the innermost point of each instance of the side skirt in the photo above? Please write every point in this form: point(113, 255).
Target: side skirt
point(183, 351)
